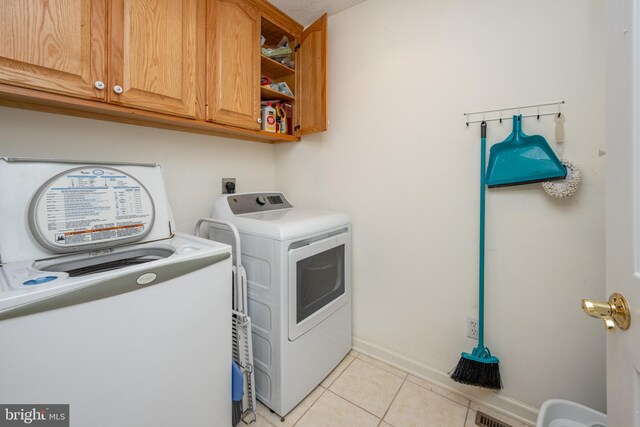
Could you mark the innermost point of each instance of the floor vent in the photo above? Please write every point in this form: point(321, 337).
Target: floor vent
point(484, 420)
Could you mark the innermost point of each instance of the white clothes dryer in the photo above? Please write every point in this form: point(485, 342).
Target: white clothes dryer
point(103, 306)
point(298, 265)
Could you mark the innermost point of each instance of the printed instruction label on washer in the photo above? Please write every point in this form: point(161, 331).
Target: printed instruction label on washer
point(93, 205)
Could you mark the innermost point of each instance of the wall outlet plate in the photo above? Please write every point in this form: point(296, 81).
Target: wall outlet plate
point(472, 328)
point(226, 187)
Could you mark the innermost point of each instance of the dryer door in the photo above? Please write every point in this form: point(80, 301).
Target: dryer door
point(319, 282)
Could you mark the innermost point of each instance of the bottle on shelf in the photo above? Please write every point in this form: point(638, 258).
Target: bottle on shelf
point(281, 119)
point(269, 118)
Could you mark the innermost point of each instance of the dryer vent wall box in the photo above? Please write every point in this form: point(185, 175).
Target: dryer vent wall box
point(298, 264)
point(105, 304)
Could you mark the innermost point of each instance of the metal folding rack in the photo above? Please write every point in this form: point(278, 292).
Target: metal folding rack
point(241, 322)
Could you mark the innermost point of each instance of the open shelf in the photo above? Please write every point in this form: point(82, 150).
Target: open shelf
point(278, 73)
point(273, 68)
point(273, 32)
point(266, 93)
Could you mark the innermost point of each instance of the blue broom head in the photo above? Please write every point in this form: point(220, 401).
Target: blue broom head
point(237, 382)
point(481, 355)
point(237, 393)
point(478, 368)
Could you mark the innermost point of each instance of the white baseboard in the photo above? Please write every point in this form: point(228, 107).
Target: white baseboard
point(510, 407)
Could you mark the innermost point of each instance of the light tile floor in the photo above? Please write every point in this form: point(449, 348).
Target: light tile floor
point(364, 392)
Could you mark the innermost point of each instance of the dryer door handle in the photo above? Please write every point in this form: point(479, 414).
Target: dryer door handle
point(115, 285)
point(318, 246)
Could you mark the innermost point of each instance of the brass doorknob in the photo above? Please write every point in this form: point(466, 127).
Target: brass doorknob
point(613, 312)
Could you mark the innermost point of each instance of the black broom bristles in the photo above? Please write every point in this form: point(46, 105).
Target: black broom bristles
point(236, 412)
point(480, 374)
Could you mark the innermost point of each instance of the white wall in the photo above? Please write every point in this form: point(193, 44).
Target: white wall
point(399, 160)
point(193, 164)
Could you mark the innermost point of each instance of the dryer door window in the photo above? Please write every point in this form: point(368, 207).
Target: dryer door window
point(318, 282)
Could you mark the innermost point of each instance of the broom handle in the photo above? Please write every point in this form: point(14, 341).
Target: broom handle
point(483, 160)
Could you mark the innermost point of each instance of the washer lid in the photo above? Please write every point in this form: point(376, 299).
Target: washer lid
point(55, 207)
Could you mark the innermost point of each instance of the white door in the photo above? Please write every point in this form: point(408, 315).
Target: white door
point(623, 208)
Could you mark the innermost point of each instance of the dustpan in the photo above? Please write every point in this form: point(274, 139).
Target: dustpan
point(522, 159)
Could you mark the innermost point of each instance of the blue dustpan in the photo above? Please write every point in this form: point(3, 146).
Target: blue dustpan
point(522, 159)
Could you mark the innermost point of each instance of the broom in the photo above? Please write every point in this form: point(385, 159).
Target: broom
point(480, 368)
point(237, 393)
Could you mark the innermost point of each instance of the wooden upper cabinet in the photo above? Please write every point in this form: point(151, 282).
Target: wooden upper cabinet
point(312, 77)
point(56, 46)
point(233, 63)
point(163, 63)
point(153, 55)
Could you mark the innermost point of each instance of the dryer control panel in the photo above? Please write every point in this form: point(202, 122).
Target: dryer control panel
point(257, 202)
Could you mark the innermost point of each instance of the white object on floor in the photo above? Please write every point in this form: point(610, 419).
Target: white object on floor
point(298, 264)
point(564, 413)
point(103, 306)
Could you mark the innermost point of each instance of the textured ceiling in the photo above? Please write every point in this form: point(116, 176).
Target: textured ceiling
point(307, 11)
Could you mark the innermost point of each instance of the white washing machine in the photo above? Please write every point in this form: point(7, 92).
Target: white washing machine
point(103, 307)
point(298, 264)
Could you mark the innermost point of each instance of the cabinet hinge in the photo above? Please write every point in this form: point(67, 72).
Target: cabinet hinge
point(297, 127)
point(297, 47)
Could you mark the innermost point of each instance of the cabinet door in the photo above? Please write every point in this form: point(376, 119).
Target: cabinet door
point(312, 72)
point(153, 55)
point(233, 63)
point(57, 46)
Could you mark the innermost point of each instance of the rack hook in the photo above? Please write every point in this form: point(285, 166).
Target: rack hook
point(538, 117)
point(500, 116)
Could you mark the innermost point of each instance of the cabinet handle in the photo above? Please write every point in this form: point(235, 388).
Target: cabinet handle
point(259, 119)
point(99, 85)
point(117, 89)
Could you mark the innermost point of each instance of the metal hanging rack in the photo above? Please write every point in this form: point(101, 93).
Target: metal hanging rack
point(499, 112)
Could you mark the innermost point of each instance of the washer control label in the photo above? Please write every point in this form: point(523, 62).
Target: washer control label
point(91, 205)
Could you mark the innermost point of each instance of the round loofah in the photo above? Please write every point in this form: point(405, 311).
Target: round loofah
point(566, 187)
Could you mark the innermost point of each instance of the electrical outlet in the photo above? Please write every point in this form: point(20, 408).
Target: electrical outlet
point(228, 185)
point(472, 328)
